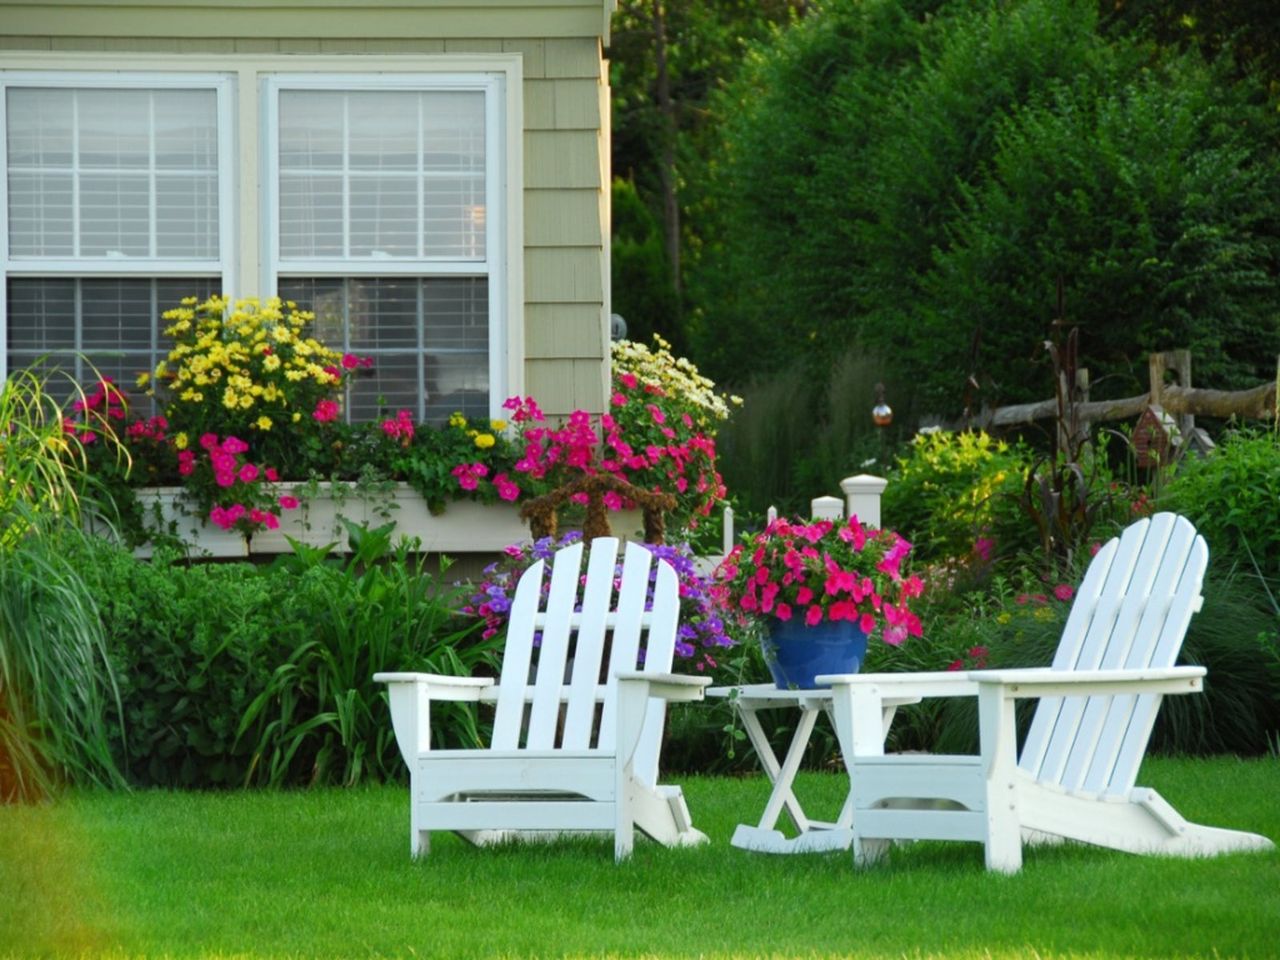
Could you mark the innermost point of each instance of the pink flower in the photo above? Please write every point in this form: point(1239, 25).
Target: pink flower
point(628, 380)
point(350, 361)
point(288, 502)
point(224, 478)
point(248, 473)
point(982, 548)
point(618, 400)
point(234, 445)
point(813, 616)
point(208, 441)
point(1064, 591)
point(656, 413)
point(325, 411)
point(782, 611)
point(272, 475)
point(868, 622)
point(507, 489)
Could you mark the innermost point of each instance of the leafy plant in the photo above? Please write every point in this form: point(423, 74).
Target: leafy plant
point(957, 496)
point(56, 686)
point(321, 718)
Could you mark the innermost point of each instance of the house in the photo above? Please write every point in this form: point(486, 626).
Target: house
point(428, 175)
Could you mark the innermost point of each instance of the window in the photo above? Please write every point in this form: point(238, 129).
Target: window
point(385, 196)
point(378, 200)
point(117, 203)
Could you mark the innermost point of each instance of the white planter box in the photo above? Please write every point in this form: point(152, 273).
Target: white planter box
point(464, 527)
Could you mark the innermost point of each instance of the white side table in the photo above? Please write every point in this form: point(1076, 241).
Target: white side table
point(812, 835)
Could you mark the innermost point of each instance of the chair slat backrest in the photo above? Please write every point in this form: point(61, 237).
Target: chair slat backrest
point(1131, 611)
point(555, 695)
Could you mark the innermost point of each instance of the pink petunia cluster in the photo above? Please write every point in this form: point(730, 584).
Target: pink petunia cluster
point(400, 428)
point(243, 504)
point(469, 475)
point(823, 572)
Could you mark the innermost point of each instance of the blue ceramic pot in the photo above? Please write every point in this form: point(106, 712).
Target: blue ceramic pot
point(796, 653)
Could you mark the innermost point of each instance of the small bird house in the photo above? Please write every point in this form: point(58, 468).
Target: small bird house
point(1154, 437)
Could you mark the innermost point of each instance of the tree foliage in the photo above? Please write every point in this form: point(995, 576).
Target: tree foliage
point(918, 176)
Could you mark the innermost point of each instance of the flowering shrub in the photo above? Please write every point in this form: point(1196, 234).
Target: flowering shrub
point(675, 380)
point(701, 633)
point(249, 370)
point(822, 572)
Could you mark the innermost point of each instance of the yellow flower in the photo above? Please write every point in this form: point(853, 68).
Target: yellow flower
point(297, 417)
point(457, 420)
point(181, 441)
point(271, 362)
point(246, 401)
point(498, 424)
point(1004, 617)
point(229, 399)
point(485, 440)
point(263, 423)
point(143, 379)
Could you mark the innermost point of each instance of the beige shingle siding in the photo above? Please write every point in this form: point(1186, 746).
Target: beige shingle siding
point(565, 103)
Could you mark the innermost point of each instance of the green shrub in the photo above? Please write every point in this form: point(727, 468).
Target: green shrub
point(1232, 496)
point(953, 489)
point(237, 674)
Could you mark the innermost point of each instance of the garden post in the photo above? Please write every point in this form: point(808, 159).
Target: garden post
point(862, 497)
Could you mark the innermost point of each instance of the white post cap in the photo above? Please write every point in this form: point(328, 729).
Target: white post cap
point(826, 508)
point(862, 497)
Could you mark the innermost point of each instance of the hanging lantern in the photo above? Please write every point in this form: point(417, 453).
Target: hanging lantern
point(881, 413)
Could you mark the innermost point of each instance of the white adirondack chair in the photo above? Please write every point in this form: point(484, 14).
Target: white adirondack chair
point(1075, 776)
point(575, 739)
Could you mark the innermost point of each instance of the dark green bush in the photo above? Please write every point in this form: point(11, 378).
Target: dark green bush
point(234, 673)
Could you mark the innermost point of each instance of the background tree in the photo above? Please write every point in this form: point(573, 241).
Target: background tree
point(916, 176)
point(667, 59)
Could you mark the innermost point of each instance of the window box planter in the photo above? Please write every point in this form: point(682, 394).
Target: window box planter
point(465, 527)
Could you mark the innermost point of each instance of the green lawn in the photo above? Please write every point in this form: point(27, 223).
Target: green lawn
point(327, 873)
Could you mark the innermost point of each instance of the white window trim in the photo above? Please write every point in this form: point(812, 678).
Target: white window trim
point(244, 270)
point(223, 268)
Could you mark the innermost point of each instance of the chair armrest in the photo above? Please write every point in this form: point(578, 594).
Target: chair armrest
point(1044, 682)
point(439, 686)
point(668, 686)
point(905, 687)
point(410, 696)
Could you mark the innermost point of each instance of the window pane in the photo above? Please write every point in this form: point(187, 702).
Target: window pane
point(40, 123)
point(186, 126)
point(42, 315)
point(116, 315)
point(144, 163)
point(311, 216)
point(115, 129)
point(310, 130)
point(457, 311)
point(115, 215)
point(395, 173)
point(429, 339)
point(382, 130)
point(113, 325)
point(391, 385)
point(187, 215)
point(457, 382)
point(383, 216)
point(40, 220)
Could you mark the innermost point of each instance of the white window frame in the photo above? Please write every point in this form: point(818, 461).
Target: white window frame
point(243, 241)
point(497, 174)
point(124, 267)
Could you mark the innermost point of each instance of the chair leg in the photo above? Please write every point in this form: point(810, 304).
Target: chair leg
point(1003, 845)
point(868, 852)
